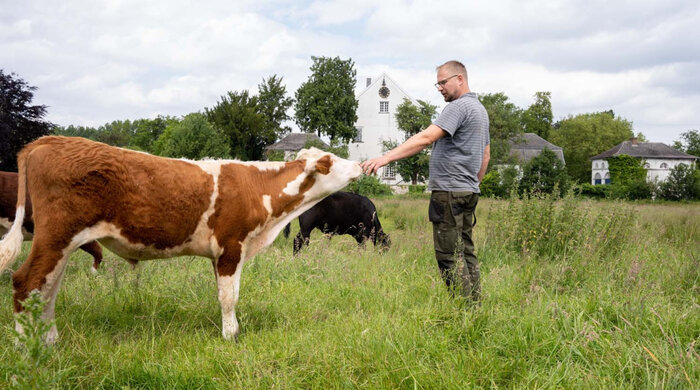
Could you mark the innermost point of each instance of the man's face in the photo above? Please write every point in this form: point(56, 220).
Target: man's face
point(448, 84)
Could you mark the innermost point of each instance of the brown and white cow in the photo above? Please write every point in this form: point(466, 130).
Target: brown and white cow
point(8, 203)
point(146, 207)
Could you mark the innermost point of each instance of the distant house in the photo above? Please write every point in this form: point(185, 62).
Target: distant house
point(525, 147)
point(376, 122)
point(294, 142)
point(658, 159)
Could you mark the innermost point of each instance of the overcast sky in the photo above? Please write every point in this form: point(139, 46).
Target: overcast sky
point(98, 61)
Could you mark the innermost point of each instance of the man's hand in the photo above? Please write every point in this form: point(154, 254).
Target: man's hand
point(370, 167)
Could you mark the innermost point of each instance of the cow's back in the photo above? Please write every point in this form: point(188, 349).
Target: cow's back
point(151, 200)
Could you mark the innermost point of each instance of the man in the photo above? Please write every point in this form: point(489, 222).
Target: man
point(458, 162)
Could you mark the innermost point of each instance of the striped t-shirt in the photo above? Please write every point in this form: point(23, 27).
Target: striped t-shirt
point(456, 158)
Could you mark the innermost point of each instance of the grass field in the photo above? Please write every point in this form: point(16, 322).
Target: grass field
point(577, 294)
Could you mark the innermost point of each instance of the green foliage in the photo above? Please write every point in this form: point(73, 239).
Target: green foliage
point(683, 183)
point(545, 174)
point(586, 135)
point(689, 143)
point(116, 133)
point(504, 124)
point(326, 103)
point(340, 150)
point(273, 104)
point(236, 116)
point(541, 226)
point(147, 131)
point(411, 120)
point(538, 117)
point(368, 185)
point(192, 138)
point(500, 182)
point(20, 122)
point(417, 189)
point(625, 169)
point(589, 190)
point(31, 371)
point(76, 131)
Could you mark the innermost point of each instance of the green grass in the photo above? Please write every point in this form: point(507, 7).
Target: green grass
point(606, 298)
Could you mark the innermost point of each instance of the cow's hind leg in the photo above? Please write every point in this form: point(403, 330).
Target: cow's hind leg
point(228, 279)
point(94, 249)
point(42, 271)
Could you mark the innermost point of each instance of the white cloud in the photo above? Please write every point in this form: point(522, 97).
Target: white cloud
point(95, 62)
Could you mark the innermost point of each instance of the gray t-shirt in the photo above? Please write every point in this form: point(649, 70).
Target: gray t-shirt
point(456, 158)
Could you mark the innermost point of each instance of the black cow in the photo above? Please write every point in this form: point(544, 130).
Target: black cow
point(341, 213)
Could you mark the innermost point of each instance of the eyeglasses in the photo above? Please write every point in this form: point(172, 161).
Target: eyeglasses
point(442, 82)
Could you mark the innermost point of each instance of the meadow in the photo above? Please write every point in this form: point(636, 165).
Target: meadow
point(576, 294)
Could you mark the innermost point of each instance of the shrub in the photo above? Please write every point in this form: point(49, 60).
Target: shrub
point(368, 185)
point(416, 189)
point(683, 183)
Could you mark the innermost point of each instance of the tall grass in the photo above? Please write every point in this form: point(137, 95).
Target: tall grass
point(601, 295)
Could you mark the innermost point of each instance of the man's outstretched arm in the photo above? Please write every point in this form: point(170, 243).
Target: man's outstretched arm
point(410, 147)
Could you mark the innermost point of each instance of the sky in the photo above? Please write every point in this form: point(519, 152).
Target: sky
point(98, 61)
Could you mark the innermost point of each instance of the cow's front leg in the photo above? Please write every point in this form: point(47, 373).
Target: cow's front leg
point(228, 279)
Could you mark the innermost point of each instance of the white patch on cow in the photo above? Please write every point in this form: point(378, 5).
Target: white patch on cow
point(229, 291)
point(50, 289)
point(292, 188)
point(11, 244)
point(267, 203)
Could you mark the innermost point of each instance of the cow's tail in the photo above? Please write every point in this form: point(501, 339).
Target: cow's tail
point(11, 244)
point(287, 230)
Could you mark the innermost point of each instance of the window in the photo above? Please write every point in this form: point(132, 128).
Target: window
point(389, 171)
point(383, 107)
point(607, 178)
point(664, 166)
point(597, 179)
point(647, 166)
point(358, 136)
point(595, 165)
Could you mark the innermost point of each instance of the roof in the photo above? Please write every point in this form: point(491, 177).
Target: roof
point(644, 150)
point(527, 146)
point(295, 142)
point(383, 77)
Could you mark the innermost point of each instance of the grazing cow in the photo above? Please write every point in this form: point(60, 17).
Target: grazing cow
point(342, 213)
point(145, 207)
point(8, 201)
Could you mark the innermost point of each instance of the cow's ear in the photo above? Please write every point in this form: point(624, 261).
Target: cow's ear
point(323, 164)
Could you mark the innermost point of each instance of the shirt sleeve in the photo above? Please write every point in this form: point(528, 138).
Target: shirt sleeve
point(450, 119)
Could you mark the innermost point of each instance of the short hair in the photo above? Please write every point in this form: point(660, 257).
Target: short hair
point(455, 67)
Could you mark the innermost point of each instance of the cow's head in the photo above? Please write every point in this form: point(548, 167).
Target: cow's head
point(330, 172)
point(383, 240)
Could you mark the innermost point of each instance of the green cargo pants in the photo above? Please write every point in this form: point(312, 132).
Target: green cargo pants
point(453, 216)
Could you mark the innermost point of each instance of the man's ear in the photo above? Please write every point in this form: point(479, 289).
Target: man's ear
point(323, 165)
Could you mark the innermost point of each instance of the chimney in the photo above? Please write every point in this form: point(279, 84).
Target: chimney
point(369, 81)
point(634, 140)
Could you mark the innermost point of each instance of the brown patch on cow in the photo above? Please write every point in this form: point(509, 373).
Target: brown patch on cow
point(232, 221)
point(75, 183)
point(323, 165)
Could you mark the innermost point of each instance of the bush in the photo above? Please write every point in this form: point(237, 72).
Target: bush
point(368, 185)
point(416, 189)
point(683, 183)
point(600, 191)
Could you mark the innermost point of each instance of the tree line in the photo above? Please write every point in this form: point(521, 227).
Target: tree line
point(241, 124)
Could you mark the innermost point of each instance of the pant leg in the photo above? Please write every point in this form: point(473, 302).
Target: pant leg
point(446, 231)
point(467, 203)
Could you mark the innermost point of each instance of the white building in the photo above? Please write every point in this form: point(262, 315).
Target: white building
point(658, 159)
point(376, 123)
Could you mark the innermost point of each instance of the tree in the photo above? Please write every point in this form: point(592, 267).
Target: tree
point(504, 124)
point(116, 133)
point(412, 119)
point(193, 138)
point(683, 183)
point(76, 131)
point(586, 135)
point(273, 104)
point(538, 117)
point(326, 103)
point(147, 131)
point(20, 122)
point(545, 173)
point(689, 143)
point(237, 117)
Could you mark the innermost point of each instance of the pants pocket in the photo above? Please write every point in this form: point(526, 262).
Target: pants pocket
point(436, 211)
